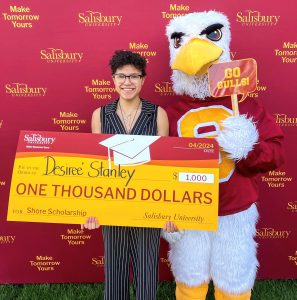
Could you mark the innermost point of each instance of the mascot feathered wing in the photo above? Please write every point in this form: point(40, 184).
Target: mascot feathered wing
point(250, 143)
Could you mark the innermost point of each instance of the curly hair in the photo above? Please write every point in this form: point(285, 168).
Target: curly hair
point(122, 58)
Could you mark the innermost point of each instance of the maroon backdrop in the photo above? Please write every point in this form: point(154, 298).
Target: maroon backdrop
point(54, 73)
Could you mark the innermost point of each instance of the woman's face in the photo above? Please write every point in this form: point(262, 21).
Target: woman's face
point(128, 88)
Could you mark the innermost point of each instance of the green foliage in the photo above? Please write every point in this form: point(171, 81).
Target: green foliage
point(263, 290)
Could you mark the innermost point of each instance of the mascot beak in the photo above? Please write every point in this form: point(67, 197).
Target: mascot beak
point(196, 57)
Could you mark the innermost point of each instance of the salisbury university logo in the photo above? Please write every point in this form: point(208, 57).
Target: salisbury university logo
point(96, 18)
point(53, 55)
point(256, 18)
point(17, 89)
point(164, 88)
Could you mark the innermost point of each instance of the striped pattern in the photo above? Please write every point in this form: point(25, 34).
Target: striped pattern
point(146, 124)
point(142, 245)
point(121, 244)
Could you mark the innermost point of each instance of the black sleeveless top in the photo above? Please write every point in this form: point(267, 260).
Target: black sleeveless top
point(146, 124)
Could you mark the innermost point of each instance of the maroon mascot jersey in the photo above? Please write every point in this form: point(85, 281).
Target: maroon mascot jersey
point(238, 183)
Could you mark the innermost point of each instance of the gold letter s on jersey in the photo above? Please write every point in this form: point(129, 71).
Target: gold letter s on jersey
point(189, 124)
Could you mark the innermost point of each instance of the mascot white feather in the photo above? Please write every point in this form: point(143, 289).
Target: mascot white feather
point(250, 143)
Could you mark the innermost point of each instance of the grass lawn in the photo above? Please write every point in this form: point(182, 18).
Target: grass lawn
point(263, 290)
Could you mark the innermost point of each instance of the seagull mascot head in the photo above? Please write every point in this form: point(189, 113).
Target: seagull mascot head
point(196, 41)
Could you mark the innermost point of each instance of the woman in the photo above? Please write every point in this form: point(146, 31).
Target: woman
point(130, 115)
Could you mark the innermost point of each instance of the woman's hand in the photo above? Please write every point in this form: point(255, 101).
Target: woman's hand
point(170, 227)
point(91, 223)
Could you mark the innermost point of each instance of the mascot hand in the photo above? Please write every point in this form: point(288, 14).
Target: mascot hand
point(172, 237)
point(238, 136)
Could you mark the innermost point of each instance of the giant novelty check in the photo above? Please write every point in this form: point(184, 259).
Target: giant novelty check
point(124, 180)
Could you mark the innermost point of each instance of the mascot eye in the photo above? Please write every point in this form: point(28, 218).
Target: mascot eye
point(215, 35)
point(177, 42)
point(177, 39)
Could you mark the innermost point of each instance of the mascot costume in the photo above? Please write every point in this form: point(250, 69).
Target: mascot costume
point(249, 144)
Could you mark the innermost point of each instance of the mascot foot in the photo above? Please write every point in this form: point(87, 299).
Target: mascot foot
point(220, 295)
point(184, 292)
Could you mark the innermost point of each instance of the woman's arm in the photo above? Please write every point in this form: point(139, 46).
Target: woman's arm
point(163, 130)
point(162, 122)
point(92, 222)
point(96, 122)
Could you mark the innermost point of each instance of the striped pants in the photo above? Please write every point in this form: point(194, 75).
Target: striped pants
point(142, 245)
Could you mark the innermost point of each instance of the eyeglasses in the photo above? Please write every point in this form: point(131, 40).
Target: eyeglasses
point(134, 78)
